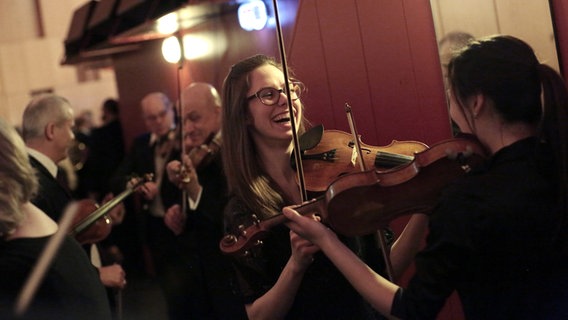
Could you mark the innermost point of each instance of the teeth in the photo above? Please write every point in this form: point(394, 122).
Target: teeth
point(282, 118)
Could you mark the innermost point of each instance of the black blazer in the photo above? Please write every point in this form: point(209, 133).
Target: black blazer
point(106, 152)
point(52, 197)
point(140, 161)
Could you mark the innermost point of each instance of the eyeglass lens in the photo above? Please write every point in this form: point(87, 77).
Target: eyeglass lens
point(271, 96)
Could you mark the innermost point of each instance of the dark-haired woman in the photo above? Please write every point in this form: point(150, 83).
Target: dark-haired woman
point(498, 236)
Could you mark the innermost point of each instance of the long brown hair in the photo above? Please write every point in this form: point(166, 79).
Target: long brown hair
point(245, 176)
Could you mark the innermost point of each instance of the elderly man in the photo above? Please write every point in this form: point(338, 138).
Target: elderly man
point(149, 154)
point(208, 293)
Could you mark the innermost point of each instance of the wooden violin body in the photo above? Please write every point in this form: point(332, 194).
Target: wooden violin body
point(362, 202)
point(91, 223)
point(202, 155)
point(367, 201)
point(97, 230)
point(334, 156)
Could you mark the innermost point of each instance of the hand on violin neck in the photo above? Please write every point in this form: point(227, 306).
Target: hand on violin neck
point(117, 213)
point(309, 226)
point(149, 190)
point(184, 176)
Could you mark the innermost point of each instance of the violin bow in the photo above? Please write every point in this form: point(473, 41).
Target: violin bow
point(381, 237)
point(44, 261)
point(183, 170)
point(297, 153)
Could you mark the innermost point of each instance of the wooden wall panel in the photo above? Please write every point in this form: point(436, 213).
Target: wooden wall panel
point(359, 52)
point(560, 12)
point(434, 120)
point(307, 58)
point(346, 64)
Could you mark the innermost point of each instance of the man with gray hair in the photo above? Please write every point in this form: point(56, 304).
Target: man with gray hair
point(47, 129)
point(149, 154)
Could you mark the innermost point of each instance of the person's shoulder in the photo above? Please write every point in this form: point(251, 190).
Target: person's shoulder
point(142, 140)
point(36, 164)
point(233, 207)
point(143, 136)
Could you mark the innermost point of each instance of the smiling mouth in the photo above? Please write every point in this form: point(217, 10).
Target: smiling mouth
point(282, 118)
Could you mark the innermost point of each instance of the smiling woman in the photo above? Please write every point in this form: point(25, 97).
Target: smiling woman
point(257, 136)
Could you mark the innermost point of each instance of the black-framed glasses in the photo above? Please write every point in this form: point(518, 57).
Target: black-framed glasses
point(270, 96)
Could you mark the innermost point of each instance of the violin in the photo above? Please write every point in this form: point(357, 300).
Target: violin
point(359, 203)
point(91, 224)
point(334, 155)
point(202, 155)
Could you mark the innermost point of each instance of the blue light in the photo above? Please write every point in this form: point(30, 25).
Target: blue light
point(252, 15)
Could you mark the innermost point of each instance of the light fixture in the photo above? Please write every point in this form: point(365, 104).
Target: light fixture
point(168, 24)
point(252, 15)
point(196, 46)
point(171, 49)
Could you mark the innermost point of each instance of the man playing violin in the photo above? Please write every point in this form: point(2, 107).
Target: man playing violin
point(47, 131)
point(208, 293)
point(149, 154)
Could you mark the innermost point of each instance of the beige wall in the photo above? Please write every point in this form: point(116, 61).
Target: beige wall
point(529, 20)
point(30, 60)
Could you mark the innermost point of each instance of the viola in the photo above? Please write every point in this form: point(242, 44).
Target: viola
point(91, 224)
point(334, 155)
point(359, 203)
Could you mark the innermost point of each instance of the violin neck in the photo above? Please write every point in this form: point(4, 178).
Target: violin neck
point(101, 211)
point(106, 207)
point(316, 207)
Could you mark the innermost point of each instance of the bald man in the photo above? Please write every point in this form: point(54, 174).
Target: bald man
point(208, 291)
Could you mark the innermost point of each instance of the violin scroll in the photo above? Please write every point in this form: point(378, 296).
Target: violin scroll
point(247, 237)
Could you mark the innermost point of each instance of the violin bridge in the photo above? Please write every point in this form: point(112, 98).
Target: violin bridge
point(354, 156)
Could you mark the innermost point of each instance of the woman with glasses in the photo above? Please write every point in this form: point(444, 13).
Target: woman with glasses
point(285, 277)
point(499, 236)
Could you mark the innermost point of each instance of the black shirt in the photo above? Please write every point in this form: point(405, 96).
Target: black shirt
point(494, 238)
point(71, 288)
point(324, 293)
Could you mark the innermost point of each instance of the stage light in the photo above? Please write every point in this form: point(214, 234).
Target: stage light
point(196, 46)
point(171, 50)
point(168, 24)
point(252, 15)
